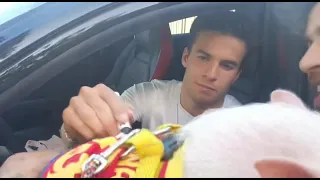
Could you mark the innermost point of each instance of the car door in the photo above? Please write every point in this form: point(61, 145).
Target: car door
point(25, 120)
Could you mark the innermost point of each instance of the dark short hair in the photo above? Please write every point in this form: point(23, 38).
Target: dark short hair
point(226, 22)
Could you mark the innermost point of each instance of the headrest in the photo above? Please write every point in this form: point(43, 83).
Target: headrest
point(143, 37)
point(152, 37)
point(166, 54)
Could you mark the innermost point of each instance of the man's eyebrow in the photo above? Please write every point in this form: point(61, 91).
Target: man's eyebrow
point(205, 53)
point(231, 62)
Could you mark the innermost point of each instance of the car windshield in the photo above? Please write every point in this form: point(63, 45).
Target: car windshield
point(10, 10)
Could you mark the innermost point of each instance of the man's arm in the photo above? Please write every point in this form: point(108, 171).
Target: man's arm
point(135, 97)
point(94, 113)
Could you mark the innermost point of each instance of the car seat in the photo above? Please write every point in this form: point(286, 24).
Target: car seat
point(146, 57)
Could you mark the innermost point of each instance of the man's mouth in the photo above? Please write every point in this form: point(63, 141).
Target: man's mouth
point(207, 87)
point(314, 78)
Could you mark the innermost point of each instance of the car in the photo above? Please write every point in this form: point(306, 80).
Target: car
point(49, 52)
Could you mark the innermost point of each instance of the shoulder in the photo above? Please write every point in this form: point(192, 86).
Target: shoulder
point(154, 86)
point(145, 96)
point(159, 84)
point(231, 101)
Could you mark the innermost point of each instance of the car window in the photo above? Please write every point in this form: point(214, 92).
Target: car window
point(181, 26)
point(10, 10)
point(91, 70)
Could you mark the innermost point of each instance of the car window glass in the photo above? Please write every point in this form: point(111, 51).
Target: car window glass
point(10, 10)
point(181, 26)
point(91, 70)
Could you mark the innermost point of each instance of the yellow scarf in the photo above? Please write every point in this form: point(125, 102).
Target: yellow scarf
point(144, 162)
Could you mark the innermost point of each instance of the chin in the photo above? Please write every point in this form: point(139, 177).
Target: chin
point(205, 100)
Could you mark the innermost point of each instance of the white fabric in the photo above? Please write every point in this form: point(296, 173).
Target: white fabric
point(155, 103)
point(158, 102)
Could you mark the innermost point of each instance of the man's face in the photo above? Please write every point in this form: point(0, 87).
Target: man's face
point(310, 63)
point(212, 66)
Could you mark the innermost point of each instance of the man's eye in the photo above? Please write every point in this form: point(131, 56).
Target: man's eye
point(203, 58)
point(228, 66)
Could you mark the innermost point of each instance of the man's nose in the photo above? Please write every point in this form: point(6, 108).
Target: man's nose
point(311, 59)
point(212, 71)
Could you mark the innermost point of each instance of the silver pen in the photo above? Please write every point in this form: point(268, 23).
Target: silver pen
point(124, 128)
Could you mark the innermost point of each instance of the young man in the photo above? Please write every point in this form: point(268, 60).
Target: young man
point(310, 63)
point(213, 62)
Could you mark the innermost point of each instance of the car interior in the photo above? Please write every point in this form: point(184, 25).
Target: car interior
point(152, 54)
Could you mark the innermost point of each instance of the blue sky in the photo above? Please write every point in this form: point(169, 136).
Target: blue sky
point(9, 10)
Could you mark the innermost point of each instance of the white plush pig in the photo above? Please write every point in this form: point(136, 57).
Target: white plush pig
point(277, 139)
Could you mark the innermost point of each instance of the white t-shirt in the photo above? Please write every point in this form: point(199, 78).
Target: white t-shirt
point(158, 102)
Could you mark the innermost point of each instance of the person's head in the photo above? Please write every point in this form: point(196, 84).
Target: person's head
point(310, 63)
point(213, 57)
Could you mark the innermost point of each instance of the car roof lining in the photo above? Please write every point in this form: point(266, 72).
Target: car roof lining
point(137, 24)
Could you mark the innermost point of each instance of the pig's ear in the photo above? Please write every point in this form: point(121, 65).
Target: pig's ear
point(286, 97)
point(282, 168)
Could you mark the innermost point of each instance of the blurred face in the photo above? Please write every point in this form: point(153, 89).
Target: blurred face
point(310, 63)
point(212, 66)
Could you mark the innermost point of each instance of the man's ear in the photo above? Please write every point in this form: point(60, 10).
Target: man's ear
point(288, 97)
point(185, 56)
point(282, 168)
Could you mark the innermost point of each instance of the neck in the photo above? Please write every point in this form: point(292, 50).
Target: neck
point(194, 108)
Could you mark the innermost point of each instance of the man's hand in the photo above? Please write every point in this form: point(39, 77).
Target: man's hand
point(26, 165)
point(95, 113)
